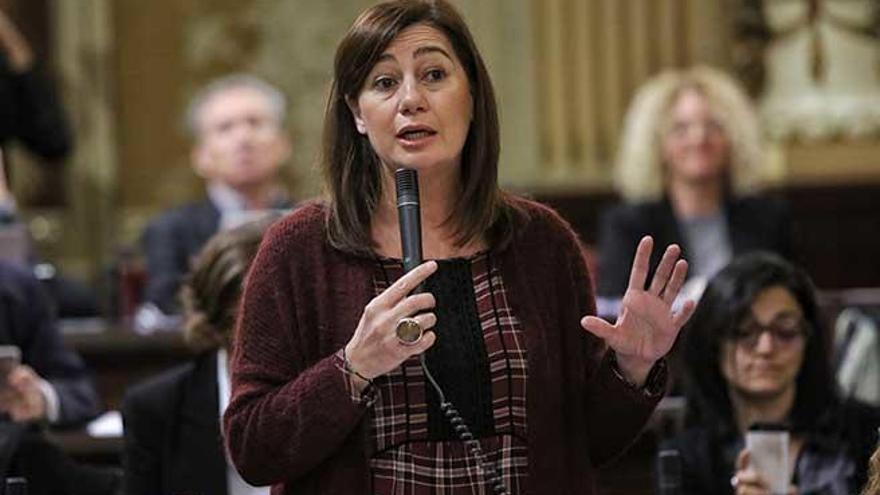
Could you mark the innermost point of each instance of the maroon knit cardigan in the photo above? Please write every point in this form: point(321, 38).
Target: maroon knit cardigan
point(292, 423)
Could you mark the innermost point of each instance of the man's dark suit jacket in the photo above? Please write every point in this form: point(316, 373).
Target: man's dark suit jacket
point(754, 223)
point(27, 321)
point(172, 432)
point(170, 242)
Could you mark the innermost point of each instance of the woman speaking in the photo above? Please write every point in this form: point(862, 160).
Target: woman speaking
point(492, 377)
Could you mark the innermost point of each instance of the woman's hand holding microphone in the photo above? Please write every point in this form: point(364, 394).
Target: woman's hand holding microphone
point(380, 342)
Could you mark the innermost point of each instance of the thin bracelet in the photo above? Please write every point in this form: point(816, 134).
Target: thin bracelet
point(654, 382)
point(346, 366)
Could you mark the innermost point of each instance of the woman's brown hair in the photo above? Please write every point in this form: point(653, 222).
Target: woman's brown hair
point(212, 290)
point(353, 172)
point(873, 486)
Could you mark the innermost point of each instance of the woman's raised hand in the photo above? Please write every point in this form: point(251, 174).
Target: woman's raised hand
point(374, 348)
point(646, 327)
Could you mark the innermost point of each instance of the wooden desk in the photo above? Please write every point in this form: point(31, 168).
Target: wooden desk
point(85, 448)
point(119, 357)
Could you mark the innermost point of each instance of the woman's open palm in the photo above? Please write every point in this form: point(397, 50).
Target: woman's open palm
point(647, 326)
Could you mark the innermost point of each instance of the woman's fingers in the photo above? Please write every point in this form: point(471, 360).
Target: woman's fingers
point(598, 327)
point(675, 282)
point(687, 309)
point(669, 276)
point(742, 460)
point(404, 351)
point(405, 284)
point(374, 349)
point(664, 269)
point(746, 481)
point(639, 271)
point(426, 320)
point(413, 304)
point(751, 489)
point(749, 483)
point(423, 345)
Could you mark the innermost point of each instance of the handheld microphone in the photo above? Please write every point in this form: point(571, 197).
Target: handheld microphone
point(409, 215)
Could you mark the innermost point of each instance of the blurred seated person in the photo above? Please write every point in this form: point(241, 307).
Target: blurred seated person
point(755, 352)
point(29, 109)
point(690, 156)
point(32, 115)
point(51, 384)
point(237, 123)
point(172, 421)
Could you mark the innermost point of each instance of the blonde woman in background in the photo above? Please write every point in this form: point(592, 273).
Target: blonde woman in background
point(690, 159)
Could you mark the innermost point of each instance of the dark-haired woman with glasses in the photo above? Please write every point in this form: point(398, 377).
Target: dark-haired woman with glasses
point(754, 352)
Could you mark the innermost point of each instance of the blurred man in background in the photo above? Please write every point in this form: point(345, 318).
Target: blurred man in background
point(237, 123)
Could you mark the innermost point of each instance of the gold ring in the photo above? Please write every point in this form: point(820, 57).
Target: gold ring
point(409, 331)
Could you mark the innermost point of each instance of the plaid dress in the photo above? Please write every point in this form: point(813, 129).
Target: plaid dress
point(479, 360)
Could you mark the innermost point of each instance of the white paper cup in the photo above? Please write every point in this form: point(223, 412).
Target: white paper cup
point(768, 455)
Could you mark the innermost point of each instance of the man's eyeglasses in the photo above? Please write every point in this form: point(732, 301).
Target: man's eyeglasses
point(784, 331)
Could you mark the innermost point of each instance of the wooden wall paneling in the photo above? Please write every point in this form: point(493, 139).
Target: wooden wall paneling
point(639, 27)
point(84, 43)
point(592, 55)
point(153, 81)
point(682, 31)
point(611, 92)
point(666, 33)
point(506, 33)
point(584, 76)
point(550, 69)
point(709, 32)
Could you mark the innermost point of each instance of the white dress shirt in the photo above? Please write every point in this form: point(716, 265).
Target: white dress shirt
point(235, 484)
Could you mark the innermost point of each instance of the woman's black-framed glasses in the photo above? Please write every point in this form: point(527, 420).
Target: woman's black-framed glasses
point(784, 331)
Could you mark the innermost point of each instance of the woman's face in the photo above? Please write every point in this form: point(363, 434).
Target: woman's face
point(695, 147)
point(415, 105)
point(763, 358)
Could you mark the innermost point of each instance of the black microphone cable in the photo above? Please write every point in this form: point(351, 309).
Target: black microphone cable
point(409, 215)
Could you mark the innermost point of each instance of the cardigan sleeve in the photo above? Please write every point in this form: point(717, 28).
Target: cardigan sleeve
point(616, 412)
point(289, 412)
